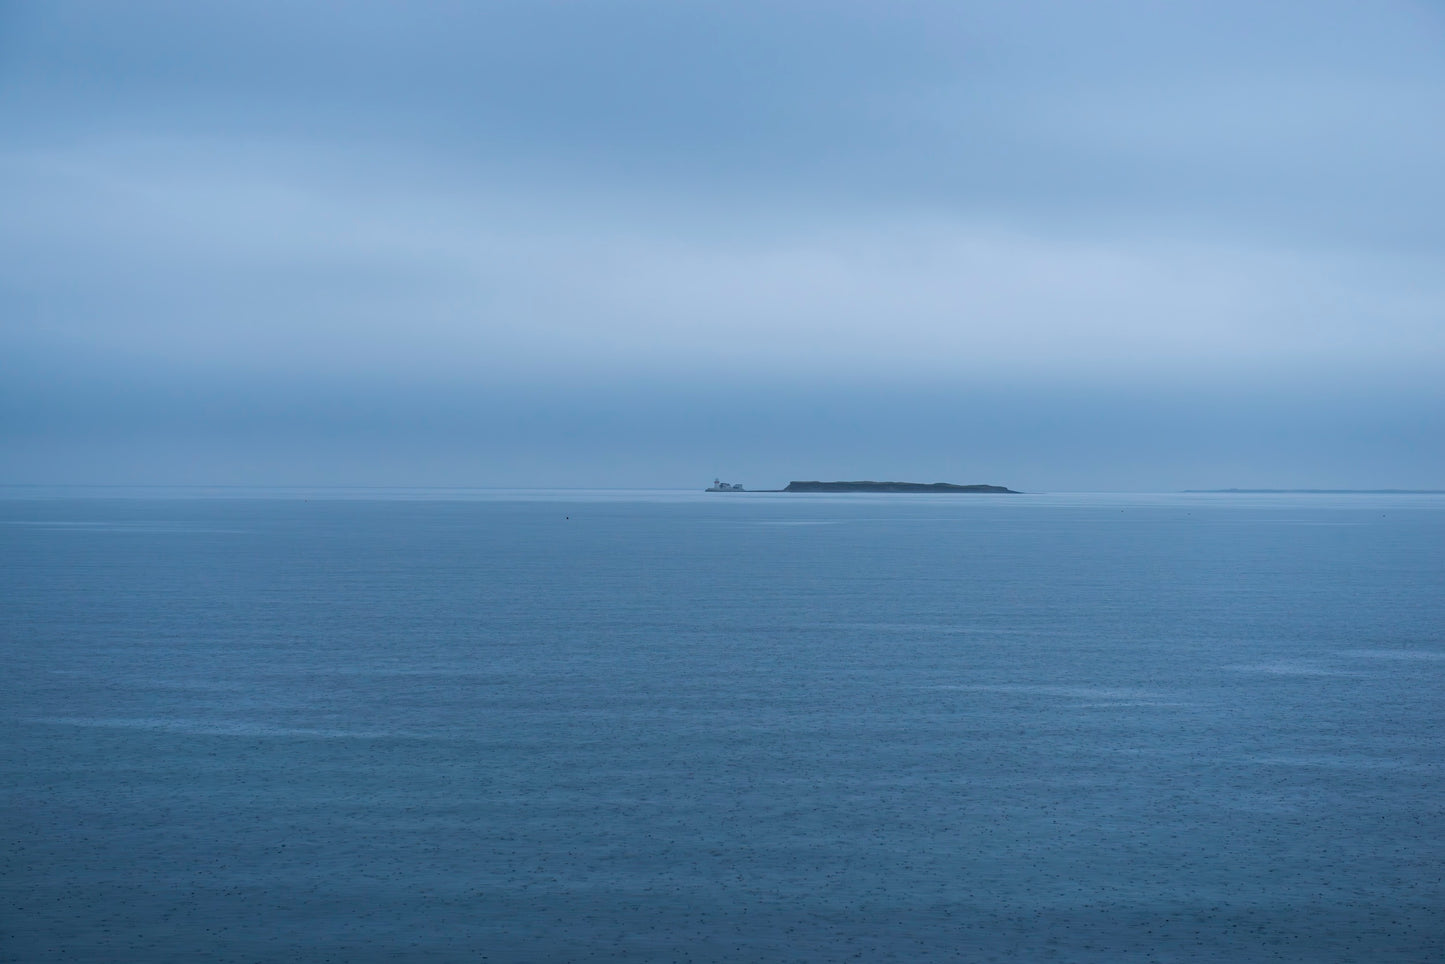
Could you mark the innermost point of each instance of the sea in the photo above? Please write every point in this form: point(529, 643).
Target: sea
point(467, 725)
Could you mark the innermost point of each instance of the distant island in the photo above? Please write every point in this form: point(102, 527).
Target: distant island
point(925, 487)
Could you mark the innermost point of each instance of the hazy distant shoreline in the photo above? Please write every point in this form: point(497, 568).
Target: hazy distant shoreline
point(1317, 491)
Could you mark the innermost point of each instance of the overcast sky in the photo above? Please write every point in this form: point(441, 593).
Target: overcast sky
point(1052, 245)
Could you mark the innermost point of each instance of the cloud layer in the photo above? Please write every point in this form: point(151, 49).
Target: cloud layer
point(541, 210)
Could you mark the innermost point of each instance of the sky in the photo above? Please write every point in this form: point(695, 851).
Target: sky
point(1057, 246)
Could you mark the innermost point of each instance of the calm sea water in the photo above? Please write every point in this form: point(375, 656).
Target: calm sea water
point(652, 726)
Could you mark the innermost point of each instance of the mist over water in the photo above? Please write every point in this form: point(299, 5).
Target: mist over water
point(573, 726)
point(1035, 434)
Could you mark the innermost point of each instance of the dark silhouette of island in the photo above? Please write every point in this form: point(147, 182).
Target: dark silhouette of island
point(926, 487)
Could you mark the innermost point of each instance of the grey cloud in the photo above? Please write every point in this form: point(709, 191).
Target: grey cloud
point(1278, 114)
point(784, 233)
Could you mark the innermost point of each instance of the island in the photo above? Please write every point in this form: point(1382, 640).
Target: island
point(924, 487)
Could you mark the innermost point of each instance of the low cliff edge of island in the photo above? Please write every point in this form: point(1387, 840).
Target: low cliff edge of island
point(926, 487)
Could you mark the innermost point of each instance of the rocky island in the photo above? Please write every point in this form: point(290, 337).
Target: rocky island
point(925, 487)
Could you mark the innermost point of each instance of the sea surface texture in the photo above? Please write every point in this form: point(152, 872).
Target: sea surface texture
point(686, 727)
